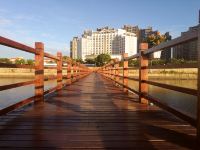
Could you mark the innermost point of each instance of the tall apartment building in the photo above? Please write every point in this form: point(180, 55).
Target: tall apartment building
point(142, 34)
point(132, 29)
point(167, 53)
point(188, 50)
point(108, 41)
point(146, 32)
point(73, 48)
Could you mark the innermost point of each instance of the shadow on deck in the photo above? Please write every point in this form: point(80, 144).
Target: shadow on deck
point(93, 114)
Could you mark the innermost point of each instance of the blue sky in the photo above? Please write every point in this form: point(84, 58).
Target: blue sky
point(55, 22)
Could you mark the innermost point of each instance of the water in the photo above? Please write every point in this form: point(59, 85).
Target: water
point(182, 102)
point(11, 96)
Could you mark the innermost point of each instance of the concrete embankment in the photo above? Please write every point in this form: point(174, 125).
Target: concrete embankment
point(171, 74)
point(25, 73)
point(190, 74)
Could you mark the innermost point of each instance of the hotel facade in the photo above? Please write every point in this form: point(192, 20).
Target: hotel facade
point(106, 40)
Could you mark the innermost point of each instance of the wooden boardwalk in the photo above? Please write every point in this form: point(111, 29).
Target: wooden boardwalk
point(93, 114)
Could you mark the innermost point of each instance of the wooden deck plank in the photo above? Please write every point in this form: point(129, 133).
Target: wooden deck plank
point(94, 114)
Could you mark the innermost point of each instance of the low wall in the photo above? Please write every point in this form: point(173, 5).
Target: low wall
point(156, 74)
point(174, 74)
point(25, 73)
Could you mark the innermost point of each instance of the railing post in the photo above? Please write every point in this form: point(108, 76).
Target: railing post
point(109, 71)
point(198, 88)
point(72, 72)
point(106, 71)
point(59, 71)
point(69, 73)
point(78, 73)
point(111, 67)
point(143, 72)
point(125, 71)
point(39, 72)
point(116, 70)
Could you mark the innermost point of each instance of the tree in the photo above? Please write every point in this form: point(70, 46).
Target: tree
point(20, 61)
point(66, 58)
point(5, 60)
point(155, 39)
point(90, 61)
point(102, 59)
point(133, 62)
point(30, 61)
point(79, 60)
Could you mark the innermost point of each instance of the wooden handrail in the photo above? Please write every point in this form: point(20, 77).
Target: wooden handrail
point(15, 85)
point(143, 57)
point(19, 46)
point(172, 87)
point(50, 56)
point(158, 102)
point(39, 67)
point(182, 39)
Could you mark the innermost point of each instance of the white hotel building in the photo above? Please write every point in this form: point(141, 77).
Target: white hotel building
point(107, 41)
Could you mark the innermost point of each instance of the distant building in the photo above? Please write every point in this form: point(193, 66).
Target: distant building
point(106, 41)
point(166, 54)
point(132, 29)
point(188, 50)
point(13, 60)
point(73, 48)
point(124, 43)
point(114, 42)
point(145, 32)
point(49, 62)
point(142, 34)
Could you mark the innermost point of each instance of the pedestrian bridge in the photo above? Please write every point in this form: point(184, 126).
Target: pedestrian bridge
point(94, 114)
point(97, 109)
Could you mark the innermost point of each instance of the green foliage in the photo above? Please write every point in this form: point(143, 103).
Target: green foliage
point(177, 61)
point(5, 60)
point(171, 61)
point(121, 64)
point(30, 62)
point(102, 59)
point(20, 61)
point(66, 58)
point(133, 63)
point(157, 62)
point(90, 61)
point(79, 60)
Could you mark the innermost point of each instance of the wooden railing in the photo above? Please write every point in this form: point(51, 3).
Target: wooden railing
point(111, 71)
point(75, 71)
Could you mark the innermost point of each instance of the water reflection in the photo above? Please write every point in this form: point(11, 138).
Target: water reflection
point(11, 96)
point(183, 102)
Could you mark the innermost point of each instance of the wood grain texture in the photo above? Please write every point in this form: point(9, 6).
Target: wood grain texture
point(94, 114)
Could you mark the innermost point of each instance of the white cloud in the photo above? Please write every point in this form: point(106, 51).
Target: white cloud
point(11, 27)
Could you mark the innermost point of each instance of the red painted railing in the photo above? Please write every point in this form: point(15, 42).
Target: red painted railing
point(111, 71)
point(75, 71)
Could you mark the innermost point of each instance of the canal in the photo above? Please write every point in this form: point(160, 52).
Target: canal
point(182, 102)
